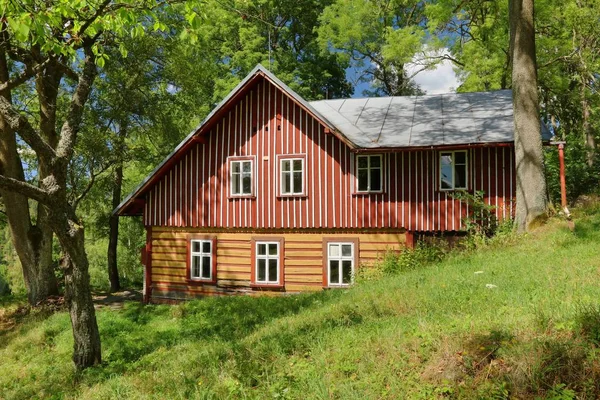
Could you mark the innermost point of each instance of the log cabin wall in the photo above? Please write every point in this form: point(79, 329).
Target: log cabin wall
point(267, 124)
point(302, 263)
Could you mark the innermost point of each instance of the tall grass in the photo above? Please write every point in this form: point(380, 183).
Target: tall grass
point(517, 319)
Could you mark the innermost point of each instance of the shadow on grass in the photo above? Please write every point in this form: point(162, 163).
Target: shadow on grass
point(588, 228)
point(17, 317)
point(138, 330)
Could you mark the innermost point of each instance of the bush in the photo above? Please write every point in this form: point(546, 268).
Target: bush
point(482, 220)
point(394, 262)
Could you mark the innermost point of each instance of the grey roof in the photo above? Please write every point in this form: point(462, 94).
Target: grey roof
point(429, 120)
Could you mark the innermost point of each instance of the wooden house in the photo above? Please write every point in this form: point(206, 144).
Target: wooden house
point(271, 193)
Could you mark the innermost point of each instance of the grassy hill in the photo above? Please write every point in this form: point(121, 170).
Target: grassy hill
point(519, 317)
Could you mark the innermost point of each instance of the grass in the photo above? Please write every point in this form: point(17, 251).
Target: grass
point(519, 318)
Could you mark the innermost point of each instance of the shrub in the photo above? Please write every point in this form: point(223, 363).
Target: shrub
point(393, 262)
point(482, 218)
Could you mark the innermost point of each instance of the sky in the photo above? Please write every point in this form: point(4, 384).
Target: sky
point(437, 81)
point(442, 79)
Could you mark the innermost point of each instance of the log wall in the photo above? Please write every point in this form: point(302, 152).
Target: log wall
point(302, 263)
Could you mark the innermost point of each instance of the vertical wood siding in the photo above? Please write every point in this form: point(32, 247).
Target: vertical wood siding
point(267, 123)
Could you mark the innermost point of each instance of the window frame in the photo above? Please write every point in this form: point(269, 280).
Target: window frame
point(213, 259)
point(290, 157)
point(381, 168)
point(254, 283)
point(355, 259)
point(466, 164)
point(241, 159)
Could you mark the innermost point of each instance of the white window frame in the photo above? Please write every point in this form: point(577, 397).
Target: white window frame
point(267, 257)
point(201, 254)
point(239, 176)
point(382, 181)
point(291, 173)
point(340, 258)
point(466, 164)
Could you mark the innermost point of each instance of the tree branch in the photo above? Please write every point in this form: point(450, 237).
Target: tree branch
point(94, 17)
point(26, 189)
point(18, 123)
point(70, 128)
point(90, 184)
point(23, 77)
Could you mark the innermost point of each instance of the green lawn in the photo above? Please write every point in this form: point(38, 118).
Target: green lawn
point(518, 318)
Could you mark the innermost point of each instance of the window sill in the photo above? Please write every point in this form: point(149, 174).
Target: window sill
point(198, 282)
point(267, 286)
point(287, 196)
point(368, 193)
point(453, 190)
point(338, 287)
point(249, 196)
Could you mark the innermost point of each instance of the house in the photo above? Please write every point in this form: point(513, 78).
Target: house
point(274, 194)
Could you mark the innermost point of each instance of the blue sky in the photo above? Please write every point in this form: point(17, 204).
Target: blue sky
point(442, 79)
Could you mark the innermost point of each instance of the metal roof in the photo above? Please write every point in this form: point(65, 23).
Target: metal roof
point(428, 120)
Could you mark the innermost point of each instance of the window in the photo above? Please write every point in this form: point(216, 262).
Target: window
point(292, 176)
point(201, 260)
point(267, 269)
point(369, 173)
point(453, 170)
point(340, 263)
point(241, 177)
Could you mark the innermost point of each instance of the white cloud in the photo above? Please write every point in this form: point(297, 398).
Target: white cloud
point(442, 79)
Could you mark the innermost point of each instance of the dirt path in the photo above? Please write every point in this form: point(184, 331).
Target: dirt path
point(115, 300)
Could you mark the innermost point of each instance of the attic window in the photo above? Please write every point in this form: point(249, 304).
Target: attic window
point(453, 170)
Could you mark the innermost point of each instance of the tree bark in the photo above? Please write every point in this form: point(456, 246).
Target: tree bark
point(86, 337)
point(113, 238)
point(588, 134)
point(531, 207)
point(32, 242)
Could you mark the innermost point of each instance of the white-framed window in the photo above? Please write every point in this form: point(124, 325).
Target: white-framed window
point(201, 260)
point(369, 173)
point(267, 262)
point(240, 177)
point(292, 176)
point(453, 170)
point(340, 263)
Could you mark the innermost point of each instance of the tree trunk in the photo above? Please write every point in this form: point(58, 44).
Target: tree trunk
point(113, 271)
point(588, 134)
point(33, 243)
point(70, 233)
point(531, 207)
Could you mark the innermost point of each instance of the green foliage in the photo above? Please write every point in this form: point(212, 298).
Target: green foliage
point(393, 262)
point(377, 38)
point(440, 328)
point(580, 177)
point(482, 216)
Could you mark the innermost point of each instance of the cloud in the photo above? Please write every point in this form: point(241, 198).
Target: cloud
point(442, 79)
